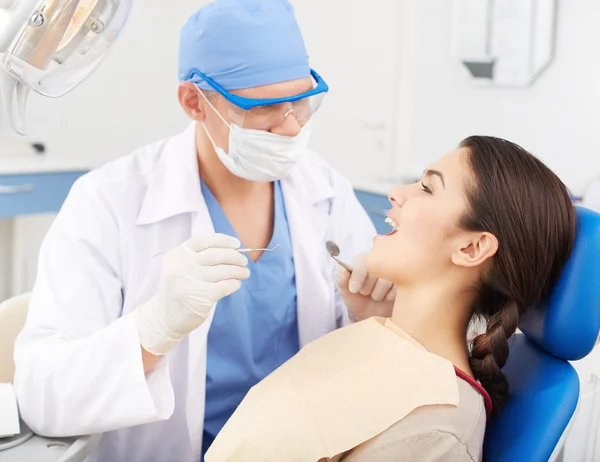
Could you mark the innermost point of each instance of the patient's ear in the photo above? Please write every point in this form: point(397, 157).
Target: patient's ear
point(475, 250)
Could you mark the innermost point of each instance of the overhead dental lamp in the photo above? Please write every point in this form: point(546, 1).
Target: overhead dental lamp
point(51, 46)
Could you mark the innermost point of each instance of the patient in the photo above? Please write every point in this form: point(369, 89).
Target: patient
point(484, 234)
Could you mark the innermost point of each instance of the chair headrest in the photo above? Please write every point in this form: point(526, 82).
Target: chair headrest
point(567, 324)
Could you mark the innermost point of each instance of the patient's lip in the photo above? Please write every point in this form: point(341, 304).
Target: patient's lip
point(383, 236)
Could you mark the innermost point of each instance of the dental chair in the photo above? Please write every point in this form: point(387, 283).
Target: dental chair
point(544, 387)
point(26, 445)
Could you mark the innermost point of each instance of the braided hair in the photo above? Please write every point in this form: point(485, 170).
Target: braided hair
point(525, 205)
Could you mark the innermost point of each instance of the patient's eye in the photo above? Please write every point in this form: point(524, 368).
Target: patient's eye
point(425, 188)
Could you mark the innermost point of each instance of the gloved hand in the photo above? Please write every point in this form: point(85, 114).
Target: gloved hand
point(194, 277)
point(365, 295)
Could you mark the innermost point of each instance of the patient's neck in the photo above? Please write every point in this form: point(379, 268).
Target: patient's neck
point(437, 317)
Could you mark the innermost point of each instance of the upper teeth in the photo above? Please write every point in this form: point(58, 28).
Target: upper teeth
point(391, 222)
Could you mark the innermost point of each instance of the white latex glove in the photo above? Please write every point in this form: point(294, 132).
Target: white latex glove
point(194, 277)
point(365, 295)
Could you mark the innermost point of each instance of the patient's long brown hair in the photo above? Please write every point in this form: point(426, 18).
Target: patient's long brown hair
point(527, 207)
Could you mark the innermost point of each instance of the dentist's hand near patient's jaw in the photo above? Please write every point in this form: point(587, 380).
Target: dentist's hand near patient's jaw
point(365, 295)
point(194, 277)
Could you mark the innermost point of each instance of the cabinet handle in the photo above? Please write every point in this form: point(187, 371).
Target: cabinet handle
point(14, 189)
point(378, 211)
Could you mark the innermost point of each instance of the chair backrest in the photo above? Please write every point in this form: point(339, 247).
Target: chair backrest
point(13, 313)
point(544, 387)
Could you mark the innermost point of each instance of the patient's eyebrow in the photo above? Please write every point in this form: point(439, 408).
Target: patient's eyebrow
point(440, 175)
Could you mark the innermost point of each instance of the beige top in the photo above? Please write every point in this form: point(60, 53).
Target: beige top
point(430, 433)
point(365, 392)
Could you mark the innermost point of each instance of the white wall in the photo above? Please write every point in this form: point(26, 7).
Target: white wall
point(556, 118)
point(398, 99)
point(129, 100)
point(356, 48)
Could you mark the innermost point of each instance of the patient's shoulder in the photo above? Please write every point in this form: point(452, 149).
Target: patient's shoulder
point(433, 433)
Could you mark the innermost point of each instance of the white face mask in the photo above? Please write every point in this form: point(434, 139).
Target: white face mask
point(257, 155)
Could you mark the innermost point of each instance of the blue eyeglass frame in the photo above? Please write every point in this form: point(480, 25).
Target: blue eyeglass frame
point(249, 103)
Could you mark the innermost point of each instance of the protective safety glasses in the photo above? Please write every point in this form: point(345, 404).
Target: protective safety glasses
point(264, 114)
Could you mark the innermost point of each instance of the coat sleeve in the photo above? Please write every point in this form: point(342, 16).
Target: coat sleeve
point(78, 362)
point(354, 232)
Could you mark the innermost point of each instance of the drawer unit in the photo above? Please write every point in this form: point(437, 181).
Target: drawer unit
point(34, 193)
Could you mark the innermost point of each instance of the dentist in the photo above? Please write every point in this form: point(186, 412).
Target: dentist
point(124, 335)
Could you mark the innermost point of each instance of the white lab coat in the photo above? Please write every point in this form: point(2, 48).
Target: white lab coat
point(78, 359)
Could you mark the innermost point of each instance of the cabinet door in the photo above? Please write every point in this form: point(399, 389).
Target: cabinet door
point(353, 45)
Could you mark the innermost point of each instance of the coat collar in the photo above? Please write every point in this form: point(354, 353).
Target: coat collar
point(174, 187)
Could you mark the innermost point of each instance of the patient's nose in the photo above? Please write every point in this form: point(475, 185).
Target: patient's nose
point(397, 196)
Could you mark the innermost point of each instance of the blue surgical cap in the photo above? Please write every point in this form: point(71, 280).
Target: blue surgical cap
point(243, 44)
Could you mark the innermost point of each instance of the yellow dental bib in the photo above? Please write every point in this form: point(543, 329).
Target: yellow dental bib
point(336, 393)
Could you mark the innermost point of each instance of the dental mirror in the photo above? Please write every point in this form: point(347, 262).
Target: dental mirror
point(334, 251)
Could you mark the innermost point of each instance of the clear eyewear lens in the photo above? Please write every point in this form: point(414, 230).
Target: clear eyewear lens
point(267, 117)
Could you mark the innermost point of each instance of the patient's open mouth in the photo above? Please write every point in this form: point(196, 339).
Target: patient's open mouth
point(394, 230)
point(393, 224)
